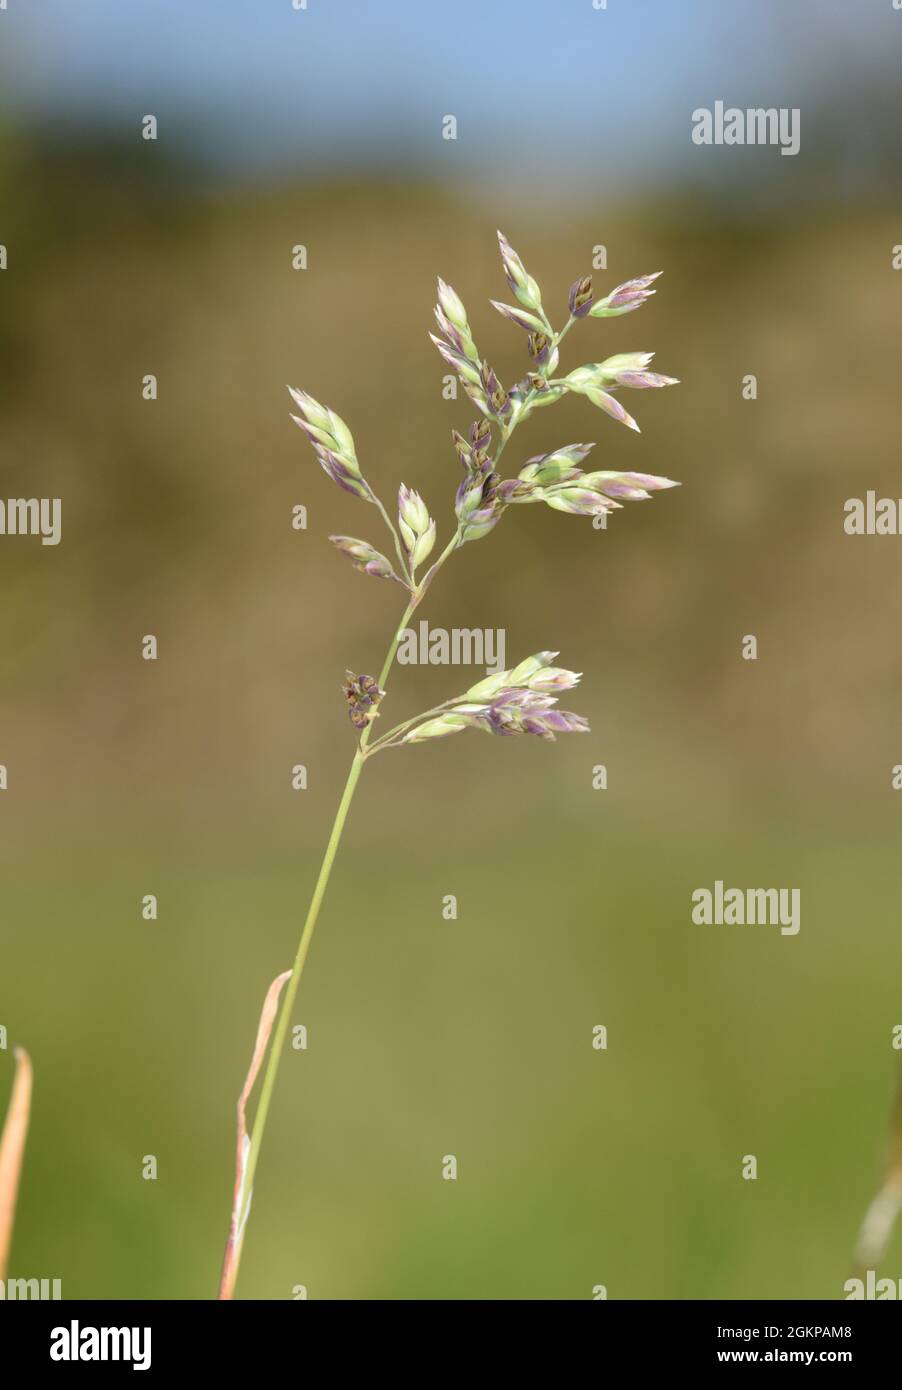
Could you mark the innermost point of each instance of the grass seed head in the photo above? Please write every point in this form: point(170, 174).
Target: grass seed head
point(631, 295)
point(363, 696)
point(363, 557)
point(579, 300)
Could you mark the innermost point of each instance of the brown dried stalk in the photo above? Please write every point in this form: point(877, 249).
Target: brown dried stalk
point(241, 1202)
point(880, 1217)
point(12, 1150)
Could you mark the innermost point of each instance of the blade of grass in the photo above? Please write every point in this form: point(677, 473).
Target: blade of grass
point(12, 1149)
point(880, 1217)
point(240, 1205)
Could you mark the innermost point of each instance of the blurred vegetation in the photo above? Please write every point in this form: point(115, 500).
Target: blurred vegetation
point(426, 1037)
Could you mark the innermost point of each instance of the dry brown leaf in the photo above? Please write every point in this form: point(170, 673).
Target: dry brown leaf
point(236, 1225)
point(12, 1150)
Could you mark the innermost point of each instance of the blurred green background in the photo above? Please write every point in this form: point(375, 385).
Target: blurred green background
point(577, 1167)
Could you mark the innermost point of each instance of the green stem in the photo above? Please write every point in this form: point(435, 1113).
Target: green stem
point(402, 558)
point(386, 740)
point(429, 576)
point(278, 1042)
point(284, 1022)
point(390, 655)
point(564, 331)
point(527, 400)
point(508, 431)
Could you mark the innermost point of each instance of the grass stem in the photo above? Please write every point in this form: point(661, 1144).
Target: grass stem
point(288, 999)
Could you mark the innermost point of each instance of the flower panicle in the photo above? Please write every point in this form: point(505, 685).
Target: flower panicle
point(364, 557)
point(498, 402)
point(477, 503)
point(332, 443)
point(520, 714)
point(530, 322)
point(525, 711)
point(626, 298)
point(558, 480)
point(624, 369)
point(557, 467)
point(598, 380)
point(416, 526)
point(363, 695)
point(456, 343)
point(519, 702)
point(518, 676)
point(579, 300)
point(522, 700)
point(524, 287)
point(469, 372)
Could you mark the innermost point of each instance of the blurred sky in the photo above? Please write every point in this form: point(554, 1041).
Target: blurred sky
point(586, 95)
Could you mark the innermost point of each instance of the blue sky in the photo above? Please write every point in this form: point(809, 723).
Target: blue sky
point(549, 86)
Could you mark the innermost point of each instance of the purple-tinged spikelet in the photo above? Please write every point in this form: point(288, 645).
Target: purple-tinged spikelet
point(363, 557)
point(333, 444)
point(579, 300)
point(497, 399)
point(625, 298)
point(520, 317)
point(363, 696)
